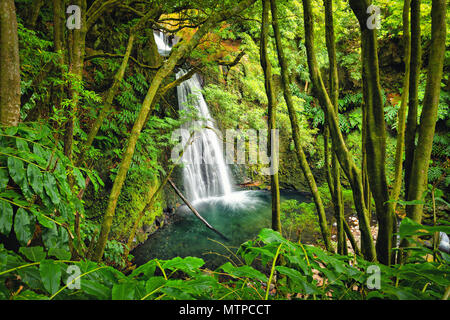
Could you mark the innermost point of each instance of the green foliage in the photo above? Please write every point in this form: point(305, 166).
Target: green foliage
point(298, 217)
point(306, 272)
point(35, 188)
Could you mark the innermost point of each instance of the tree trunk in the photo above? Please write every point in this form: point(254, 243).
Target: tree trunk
point(415, 65)
point(76, 66)
point(178, 52)
point(398, 179)
point(334, 96)
point(422, 154)
point(376, 131)
point(58, 40)
point(296, 131)
point(267, 68)
point(345, 159)
point(33, 13)
point(9, 65)
point(395, 193)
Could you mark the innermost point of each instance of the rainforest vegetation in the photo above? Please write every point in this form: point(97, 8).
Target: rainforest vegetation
point(357, 90)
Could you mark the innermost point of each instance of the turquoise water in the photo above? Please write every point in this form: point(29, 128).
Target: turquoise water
point(239, 217)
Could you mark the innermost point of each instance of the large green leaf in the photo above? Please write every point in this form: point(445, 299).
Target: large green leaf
point(23, 225)
point(409, 227)
point(270, 236)
point(35, 178)
point(96, 289)
point(40, 155)
point(55, 237)
point(123, 291)
point(6, 217)
point(18, 174)
point(51, 275)
point(11, 131)
point(146, 270)
point(32, 277)
point(79, 178)
point(22, 145)
point(33, 254)
point(51, 188)
point(45, 222)
point(154, 283)
point(189, 265)
point(298, 280)
point(60, 254)
point(4, 178)
point(243, 271)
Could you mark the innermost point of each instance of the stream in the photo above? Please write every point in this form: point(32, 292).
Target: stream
point(239, 216)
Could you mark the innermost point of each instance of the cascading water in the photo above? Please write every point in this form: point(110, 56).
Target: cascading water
point(205, 173)
point(162, 42)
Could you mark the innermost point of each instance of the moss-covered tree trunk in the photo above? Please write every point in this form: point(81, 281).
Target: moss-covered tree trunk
point(58, 41)
point(77, 52)
point(296, 131)
point(419, 172)
point(376, 131)
point(401, 123)
point(268, 83)
point(415, 66)
point(9, 65)
point(336, 191)
point(344, 156)
point(178, 52)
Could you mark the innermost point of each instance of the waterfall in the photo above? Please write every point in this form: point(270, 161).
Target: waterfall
point(162, 42)
point(205, 173)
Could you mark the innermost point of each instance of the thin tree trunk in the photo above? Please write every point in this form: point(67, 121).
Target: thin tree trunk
point(33, 13)
point(9, 65)
point(422, 154)
point(267, 68)
point(395, 193)
point(345, 159)
point(351, 238)
point(415, 65)
point(78, 47)
point(334, 96)
point(58, 40)
point(296, 132)
point(177, 53)
point(398, 178)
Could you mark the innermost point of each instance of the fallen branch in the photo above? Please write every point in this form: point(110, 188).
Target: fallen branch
point(178, 192)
